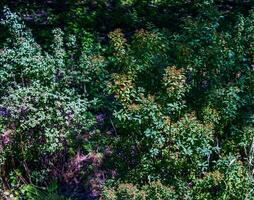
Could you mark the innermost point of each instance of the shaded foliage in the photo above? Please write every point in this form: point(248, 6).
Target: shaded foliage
point(127, 100)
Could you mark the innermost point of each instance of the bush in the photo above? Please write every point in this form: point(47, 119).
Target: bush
point(131, 100)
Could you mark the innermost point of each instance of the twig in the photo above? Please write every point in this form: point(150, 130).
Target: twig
point(113, 126)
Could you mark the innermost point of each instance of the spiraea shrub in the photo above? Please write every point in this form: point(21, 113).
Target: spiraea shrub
point(127, 100)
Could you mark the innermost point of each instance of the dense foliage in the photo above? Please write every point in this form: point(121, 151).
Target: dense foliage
point(127, 99)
